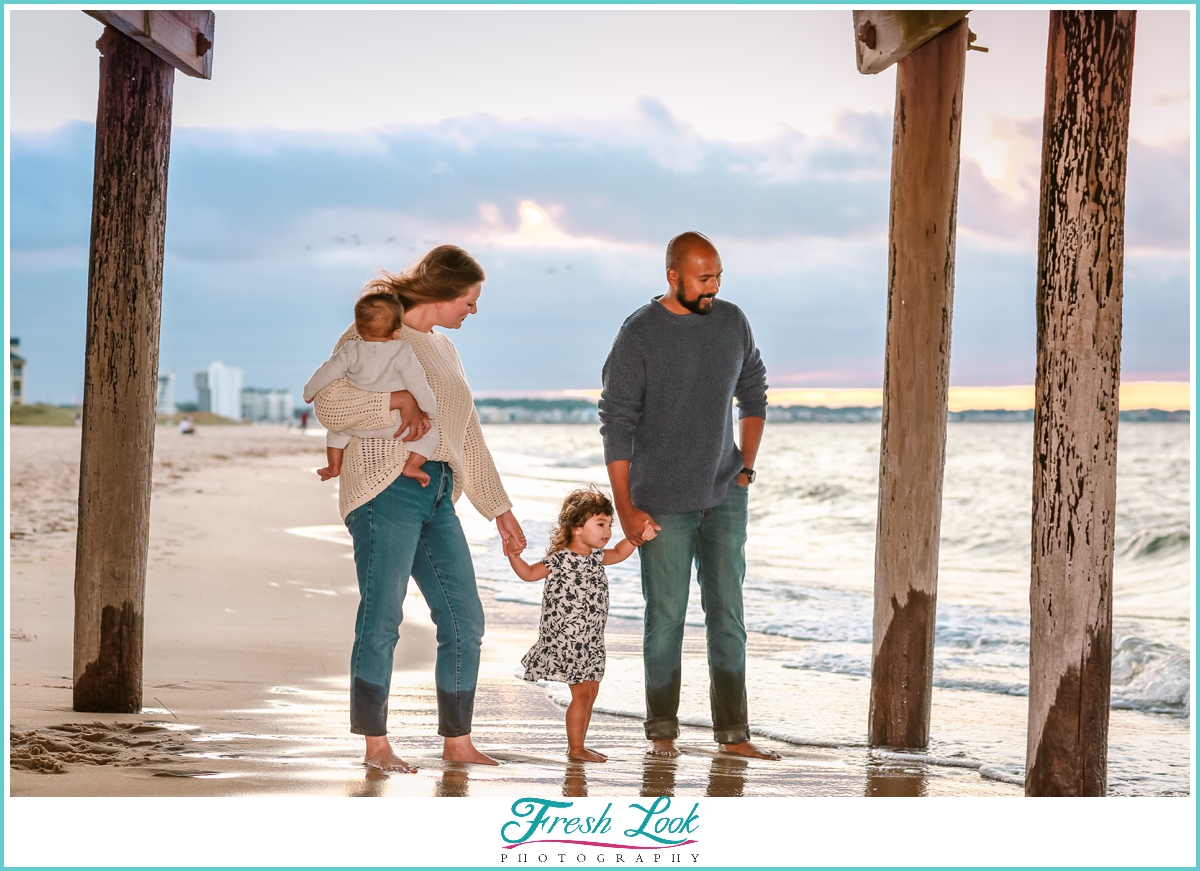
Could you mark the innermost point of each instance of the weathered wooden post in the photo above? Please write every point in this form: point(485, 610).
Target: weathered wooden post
point(921, 236)
point(1081, 246)
point(129, 201)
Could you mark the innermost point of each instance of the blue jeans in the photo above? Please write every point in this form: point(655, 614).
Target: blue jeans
point(413, 530)
point(715, 540)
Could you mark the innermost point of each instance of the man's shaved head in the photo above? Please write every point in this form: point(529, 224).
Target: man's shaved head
point(683, 244)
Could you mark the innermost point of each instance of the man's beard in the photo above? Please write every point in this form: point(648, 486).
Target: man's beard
point(694, 305)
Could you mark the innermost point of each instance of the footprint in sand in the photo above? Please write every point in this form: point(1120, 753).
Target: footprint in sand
point(51, 750)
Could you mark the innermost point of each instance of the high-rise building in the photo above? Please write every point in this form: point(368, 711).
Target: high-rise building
point(219, 390)
point(16, 364)
point(165, 403)
point(267, 405)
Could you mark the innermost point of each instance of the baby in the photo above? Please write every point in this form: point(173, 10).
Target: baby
point(380, 363)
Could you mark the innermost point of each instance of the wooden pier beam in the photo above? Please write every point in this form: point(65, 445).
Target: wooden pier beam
point(1081, 244)
point(924, 195)
point(125, 267)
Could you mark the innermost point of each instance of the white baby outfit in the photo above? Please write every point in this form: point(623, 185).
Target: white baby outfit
point(378, 367)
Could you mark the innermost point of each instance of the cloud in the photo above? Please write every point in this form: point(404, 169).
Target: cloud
point(270, 234)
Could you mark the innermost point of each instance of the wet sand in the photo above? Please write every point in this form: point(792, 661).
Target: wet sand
point(247, 637)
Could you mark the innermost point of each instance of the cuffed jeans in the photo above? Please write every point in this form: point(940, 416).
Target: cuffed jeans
point(413, 530)
point(715, 540)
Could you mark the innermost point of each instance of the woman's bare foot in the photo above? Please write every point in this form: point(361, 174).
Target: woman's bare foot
point(380, 755)
point(664, 747)
point(582, 754)
point(748, 749)
point(461, 749)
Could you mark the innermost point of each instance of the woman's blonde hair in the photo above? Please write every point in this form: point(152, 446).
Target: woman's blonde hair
point(442, 275)
point(576, 509)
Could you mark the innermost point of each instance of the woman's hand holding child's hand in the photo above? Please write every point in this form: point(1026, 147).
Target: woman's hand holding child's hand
point(650, 530)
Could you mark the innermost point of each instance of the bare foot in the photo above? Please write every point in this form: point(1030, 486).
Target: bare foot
point(380, 755)
point(582, 754)
point(328, 472)
point(664, 747)
point(416, 474)
point(461, 749)
point(748, 749)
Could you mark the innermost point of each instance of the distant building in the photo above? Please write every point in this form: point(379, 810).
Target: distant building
point(821, 414)
point(165, 403)
point(16, 364)
point(266, 405)
point(219, 390)
point(536, 411)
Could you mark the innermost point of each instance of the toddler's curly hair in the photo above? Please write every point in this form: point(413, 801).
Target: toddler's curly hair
point(576, 509)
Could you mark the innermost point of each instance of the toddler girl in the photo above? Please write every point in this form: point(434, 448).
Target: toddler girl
point(570, 645)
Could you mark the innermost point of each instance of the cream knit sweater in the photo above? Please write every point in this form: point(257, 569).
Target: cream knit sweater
point(370, 465)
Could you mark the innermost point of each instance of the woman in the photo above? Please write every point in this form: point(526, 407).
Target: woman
point(401, 528)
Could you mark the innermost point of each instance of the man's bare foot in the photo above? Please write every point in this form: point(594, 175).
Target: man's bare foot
point(412, 470)
point(748, 749)
point(380, 755)
point(328, 472)
point(664, 747)
point(461, 749)
point(582, 754)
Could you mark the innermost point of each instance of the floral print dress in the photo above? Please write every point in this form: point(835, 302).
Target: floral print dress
point(570, 645)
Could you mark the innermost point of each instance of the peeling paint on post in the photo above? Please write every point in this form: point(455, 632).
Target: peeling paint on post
point(925, 161)
point(129, 202)
point(1081, 246)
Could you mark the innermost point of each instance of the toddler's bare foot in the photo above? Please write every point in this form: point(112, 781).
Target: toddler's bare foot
point(461, 749)
point(328, 472)
point(748, 749)
point(412, 469)
point(582, 754)
point(664, 747)
point(380, 755)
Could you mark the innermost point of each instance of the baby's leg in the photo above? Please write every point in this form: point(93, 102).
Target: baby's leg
point(334, 457)
point(419, 453)
point(579, 713)
point(412, 468)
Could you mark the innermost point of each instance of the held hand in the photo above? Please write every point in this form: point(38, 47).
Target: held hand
point(636, 524)
point(510, 533)
point(411, 417)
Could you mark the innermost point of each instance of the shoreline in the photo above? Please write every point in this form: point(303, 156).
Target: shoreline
point(248, 629)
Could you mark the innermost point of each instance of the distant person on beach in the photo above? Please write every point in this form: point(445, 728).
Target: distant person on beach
point(675, 368)
point(570, 644)
point(401, 528)
point(381, 363)
point(186, 427)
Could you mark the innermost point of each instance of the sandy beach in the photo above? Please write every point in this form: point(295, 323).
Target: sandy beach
point(248, 630)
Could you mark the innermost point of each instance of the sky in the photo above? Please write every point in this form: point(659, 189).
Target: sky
point(564, 147)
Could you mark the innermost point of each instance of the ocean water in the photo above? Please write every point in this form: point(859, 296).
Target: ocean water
point(810, 557)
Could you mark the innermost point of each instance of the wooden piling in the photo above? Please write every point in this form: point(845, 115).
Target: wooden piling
point(133, 133)
point(925, 161)
point(1081, 244)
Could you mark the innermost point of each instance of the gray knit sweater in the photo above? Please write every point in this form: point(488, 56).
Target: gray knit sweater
point(669, 384)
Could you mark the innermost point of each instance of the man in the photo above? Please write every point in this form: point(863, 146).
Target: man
point(665, 413)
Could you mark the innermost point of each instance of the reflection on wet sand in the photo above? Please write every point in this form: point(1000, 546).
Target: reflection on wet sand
point(726, 776)
point(658, 775)
point(896, 782)
point(575, 781)
point(373, 785)
point(454, 783)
